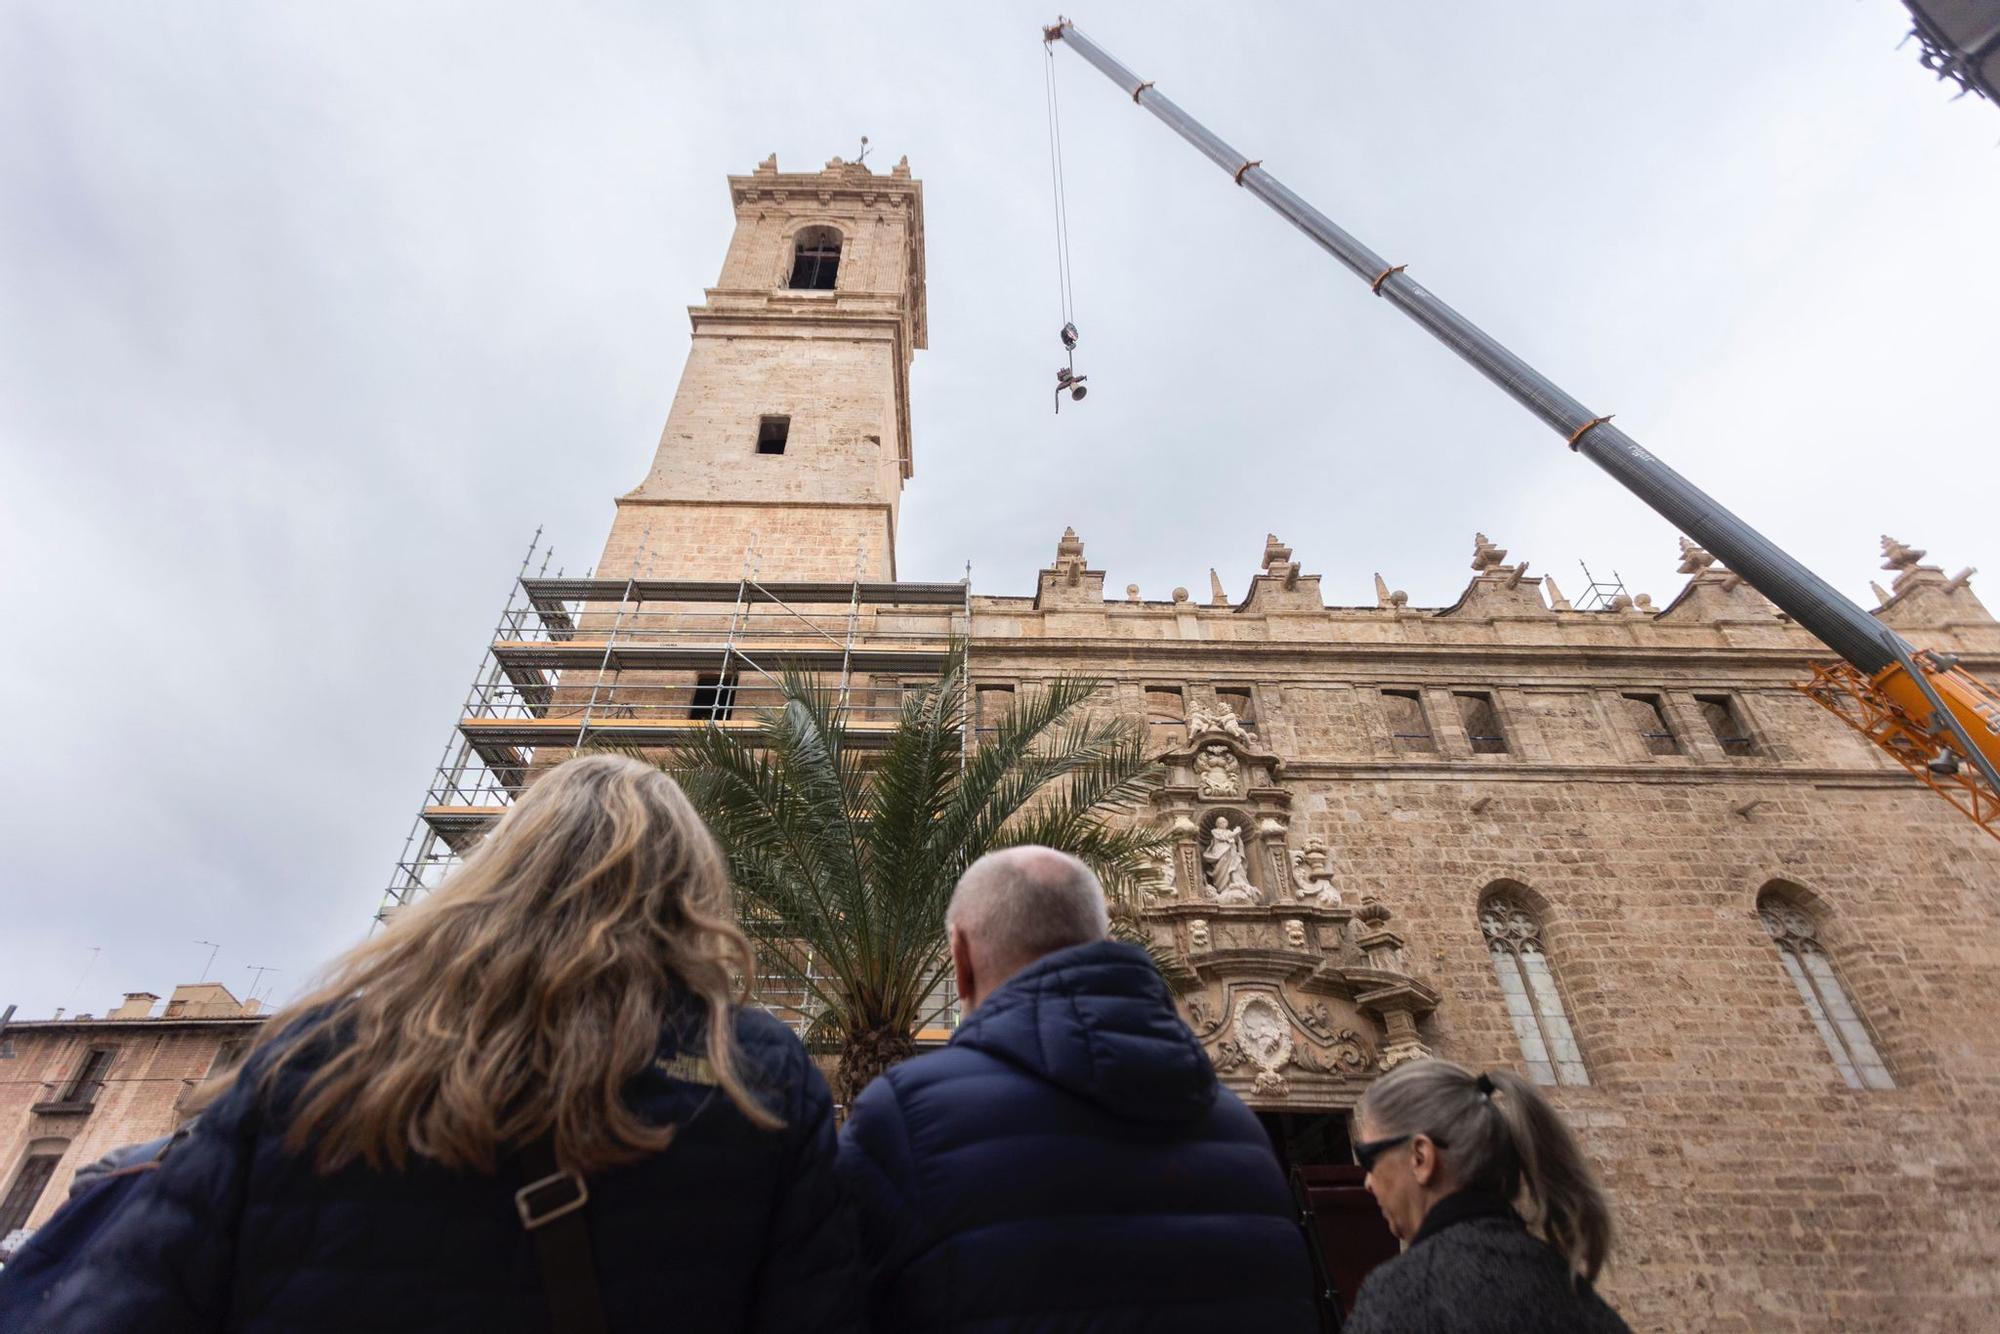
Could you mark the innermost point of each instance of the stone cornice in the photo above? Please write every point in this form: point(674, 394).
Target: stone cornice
point(1312, 654)
point(1514, 769)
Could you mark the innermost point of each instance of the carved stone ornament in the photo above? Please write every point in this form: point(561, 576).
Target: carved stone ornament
point(1348, 1054)
point(1295, 933)
point(1218, 772)
point(1403, 1054)
point(1228, 877)
point(1198, 934)
point(1506, 922)
point(1264, 1036)
point(1221, 718)
point(1200, 1018)
point(1900, 555)
point(1786, 924)
point(1159, 879)
point(1694, 559)
point(1310, 879)
point(1485, 554)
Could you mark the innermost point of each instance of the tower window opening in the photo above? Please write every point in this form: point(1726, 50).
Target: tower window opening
point(1727, 724)
point(991, 703)
point(714, 697)
point(816, 260)
point(1482, 723)
point(772, 433)
point(1407, 723)
point(1166, 716)
point(1650, 721)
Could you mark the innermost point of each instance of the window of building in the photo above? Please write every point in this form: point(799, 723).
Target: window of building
point(1811, 970)
point(228, 1054)
point(1407, 723)
point(816, 260)
point(772, 432)
point(1534, 1003)
point(1725, 719)
point(29, 1182)
point(1481, 722)
point(89, 1077)
point(714, 697)
point(991, 703)
point(1649, 720)
point(1166, 716)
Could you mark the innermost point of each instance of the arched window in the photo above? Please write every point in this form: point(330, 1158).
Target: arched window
point(816, 260)
point(1811, 970)
point(1535, 1006)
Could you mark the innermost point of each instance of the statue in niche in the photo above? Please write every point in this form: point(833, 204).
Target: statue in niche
point(1218, 772)
point(1159, 877)
point(1229, 873)
point(1221, 719)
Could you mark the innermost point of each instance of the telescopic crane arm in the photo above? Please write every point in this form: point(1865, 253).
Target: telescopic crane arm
point(1928, 713)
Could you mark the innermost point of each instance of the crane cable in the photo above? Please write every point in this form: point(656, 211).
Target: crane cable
point(1064, 289)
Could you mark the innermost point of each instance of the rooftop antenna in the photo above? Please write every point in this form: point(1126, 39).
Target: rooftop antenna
point(1599, 594)
point(88, 964)
point(213, 948)
point(259, 969)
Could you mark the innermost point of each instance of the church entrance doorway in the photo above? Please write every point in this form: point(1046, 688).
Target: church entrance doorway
point(1316, 1151)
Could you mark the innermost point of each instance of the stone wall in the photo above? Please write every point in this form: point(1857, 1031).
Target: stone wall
point(1754, 1188)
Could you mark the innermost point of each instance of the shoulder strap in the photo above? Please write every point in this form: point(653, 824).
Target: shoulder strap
point(551, 1209)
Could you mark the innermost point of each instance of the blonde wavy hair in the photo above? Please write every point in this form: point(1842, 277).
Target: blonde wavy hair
point(517, 1000)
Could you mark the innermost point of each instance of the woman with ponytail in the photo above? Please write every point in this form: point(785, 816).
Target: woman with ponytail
point(1504, 1227)
point(533, 1101)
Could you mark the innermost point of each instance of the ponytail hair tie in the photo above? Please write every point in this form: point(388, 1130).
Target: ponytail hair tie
point(1484, 1084)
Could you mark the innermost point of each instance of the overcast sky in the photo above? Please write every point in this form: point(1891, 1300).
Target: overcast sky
point(310, 314)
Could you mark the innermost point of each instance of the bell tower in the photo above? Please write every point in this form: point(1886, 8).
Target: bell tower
point(789, 436)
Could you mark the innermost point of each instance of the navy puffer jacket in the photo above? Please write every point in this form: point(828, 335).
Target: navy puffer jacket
point(730, 1228)
point(1070, 1162)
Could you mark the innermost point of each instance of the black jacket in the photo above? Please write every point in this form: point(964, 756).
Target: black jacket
point(1070, 1163)
point(731, 1228)
point(1474, 1268)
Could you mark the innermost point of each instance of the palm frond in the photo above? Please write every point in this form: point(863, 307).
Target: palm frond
point(848, 860)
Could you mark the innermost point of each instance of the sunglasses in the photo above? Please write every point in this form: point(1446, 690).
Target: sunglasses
point(1368, 1150)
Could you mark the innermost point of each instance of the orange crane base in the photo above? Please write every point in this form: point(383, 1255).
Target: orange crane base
point(1861, 702)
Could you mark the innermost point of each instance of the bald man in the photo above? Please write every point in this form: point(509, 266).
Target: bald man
point(1069, 1161)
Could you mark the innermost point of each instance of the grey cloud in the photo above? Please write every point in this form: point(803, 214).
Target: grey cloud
point(309, 314)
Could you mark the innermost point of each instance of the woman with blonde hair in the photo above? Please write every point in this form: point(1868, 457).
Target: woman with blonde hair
point(533, 1101)
point(1504, 1226)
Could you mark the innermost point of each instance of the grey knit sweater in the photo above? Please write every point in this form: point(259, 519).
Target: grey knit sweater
point(1474, 1268)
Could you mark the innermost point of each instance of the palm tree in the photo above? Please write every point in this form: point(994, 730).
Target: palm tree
point(846, 859)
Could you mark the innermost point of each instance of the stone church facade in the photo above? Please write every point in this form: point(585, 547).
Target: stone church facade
point(1753, 961)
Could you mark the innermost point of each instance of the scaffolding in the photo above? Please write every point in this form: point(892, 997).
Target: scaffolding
point(648, 664)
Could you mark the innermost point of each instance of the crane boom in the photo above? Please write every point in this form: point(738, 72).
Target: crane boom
point(1939, 713)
